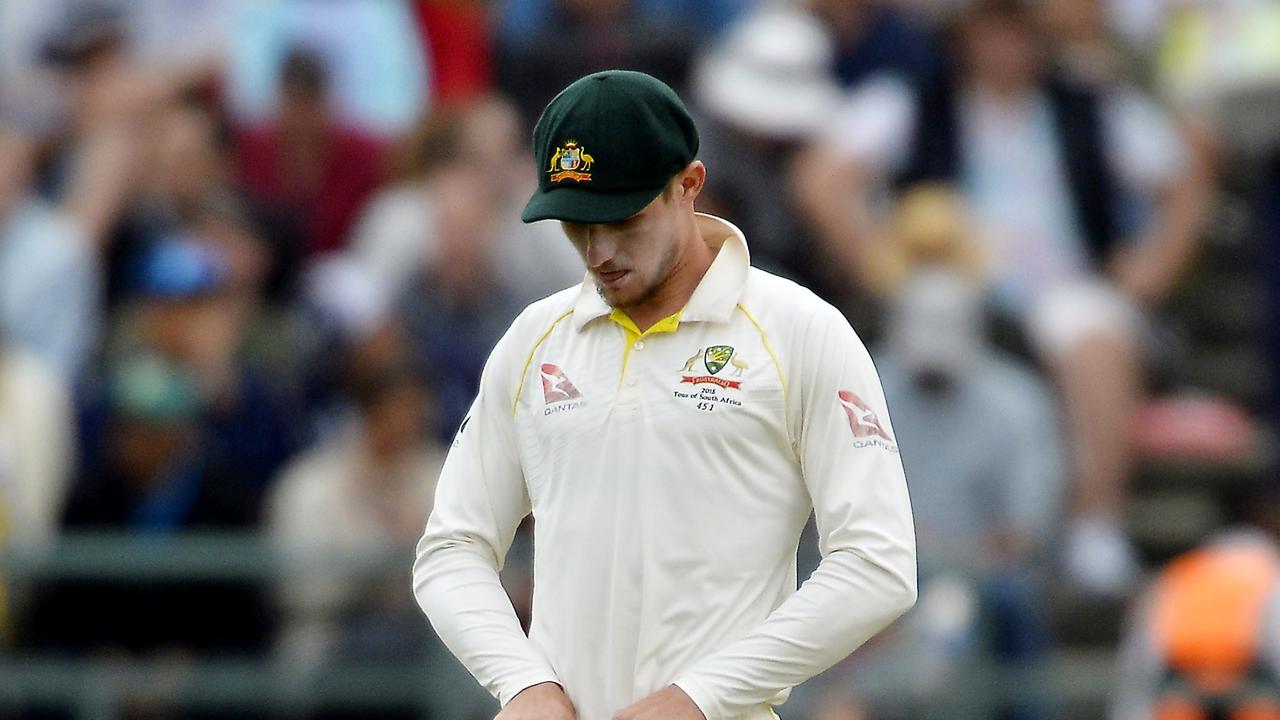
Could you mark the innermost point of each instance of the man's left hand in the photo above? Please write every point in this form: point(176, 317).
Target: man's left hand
point(669, 703)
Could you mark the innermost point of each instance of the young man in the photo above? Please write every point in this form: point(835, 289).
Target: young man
point(670, 423)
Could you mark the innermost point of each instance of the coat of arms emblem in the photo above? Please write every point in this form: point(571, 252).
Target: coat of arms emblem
point(571, 162)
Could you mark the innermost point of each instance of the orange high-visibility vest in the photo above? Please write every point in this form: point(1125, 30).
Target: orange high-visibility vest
point(1208, 615)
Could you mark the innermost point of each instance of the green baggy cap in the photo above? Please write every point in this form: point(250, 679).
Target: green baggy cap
point(606, 146)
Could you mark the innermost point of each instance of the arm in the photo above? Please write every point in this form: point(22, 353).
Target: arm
point(1171, 165)
point(1149, 269)
point(480, 500)
point(867, 576)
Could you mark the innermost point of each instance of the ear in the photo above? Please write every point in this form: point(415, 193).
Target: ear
point(690, 182)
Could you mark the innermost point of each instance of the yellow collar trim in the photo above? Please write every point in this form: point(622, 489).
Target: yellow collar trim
point(667, 324)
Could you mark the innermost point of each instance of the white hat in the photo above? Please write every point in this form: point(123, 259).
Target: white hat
point(770, 74)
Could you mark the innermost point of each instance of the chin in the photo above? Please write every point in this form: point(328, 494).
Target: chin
point(618, 298)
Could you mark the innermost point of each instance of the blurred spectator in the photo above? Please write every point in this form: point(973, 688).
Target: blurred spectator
point(307, 161)
point(874, 36)
point(349, 335)
point(377, 78)
point(575, 37)
point(373, 485)
point(191, 182)
point(765, 85)
point(156, 476)
point(177, 38)
point(456, 307)
point(399, 233)
point(978, 430)
point(1087, 207)
point(1203, 641)
point(980, 443)
point(190, 311)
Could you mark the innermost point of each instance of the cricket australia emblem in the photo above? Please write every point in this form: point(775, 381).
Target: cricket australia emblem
point(706, 395)
point(714, 359)
point(571, 162)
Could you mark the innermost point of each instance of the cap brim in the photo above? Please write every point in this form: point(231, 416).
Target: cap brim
point(576, 204)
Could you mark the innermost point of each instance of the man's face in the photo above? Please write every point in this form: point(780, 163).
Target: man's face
point(630, 259)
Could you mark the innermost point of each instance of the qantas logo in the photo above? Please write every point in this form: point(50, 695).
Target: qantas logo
point(556, 386)
point(558, 390)
point(866, 427)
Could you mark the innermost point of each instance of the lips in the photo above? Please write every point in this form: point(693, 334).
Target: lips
point(612, 277)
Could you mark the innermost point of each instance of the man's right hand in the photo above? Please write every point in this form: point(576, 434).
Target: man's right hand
point(545, 701)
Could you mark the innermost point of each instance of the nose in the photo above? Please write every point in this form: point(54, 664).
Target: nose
point(601, 246)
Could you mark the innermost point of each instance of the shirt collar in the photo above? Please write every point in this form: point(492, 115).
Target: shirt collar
point(716, 295)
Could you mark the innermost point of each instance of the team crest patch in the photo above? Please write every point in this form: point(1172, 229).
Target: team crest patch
point(714, 359)
point(571, 162)
point(866, 427)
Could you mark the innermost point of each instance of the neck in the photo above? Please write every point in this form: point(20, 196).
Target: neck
point(694, 257)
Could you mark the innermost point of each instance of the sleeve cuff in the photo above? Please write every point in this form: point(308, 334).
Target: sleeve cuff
point(701, 696)
point(524, 682)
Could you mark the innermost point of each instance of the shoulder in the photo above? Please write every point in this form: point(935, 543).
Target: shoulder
point(533, 323)
point(787, 307)
point(544, 312)
point(779, 295)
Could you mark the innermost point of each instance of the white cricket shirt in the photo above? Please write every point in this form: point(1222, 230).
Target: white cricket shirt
point(670, 474)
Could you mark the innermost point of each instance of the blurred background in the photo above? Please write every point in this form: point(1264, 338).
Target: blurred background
point(253, 255)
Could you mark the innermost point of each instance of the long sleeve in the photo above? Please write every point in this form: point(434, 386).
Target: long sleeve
point(867, 576)
point(480, 500)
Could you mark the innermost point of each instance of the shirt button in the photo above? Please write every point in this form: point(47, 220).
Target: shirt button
point(631, 382)
point(639, 345)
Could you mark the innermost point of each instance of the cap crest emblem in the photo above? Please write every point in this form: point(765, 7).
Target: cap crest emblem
point(571, 162)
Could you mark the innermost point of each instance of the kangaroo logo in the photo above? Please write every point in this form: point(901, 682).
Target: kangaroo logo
point(556, 386)
point(571, 162)
point(862, 419)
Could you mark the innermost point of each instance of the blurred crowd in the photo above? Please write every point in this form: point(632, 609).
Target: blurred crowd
point(253, 255)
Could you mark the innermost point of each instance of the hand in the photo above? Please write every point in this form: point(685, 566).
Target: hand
point(669, 703)
point(545, 701)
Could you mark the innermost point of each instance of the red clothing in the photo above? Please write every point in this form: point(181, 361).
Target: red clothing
point(456, 37)
point(327, 207)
